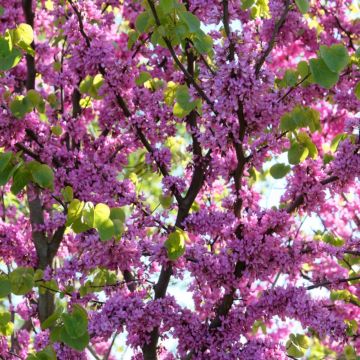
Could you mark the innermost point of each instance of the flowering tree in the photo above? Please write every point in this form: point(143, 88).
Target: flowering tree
point(137, 142)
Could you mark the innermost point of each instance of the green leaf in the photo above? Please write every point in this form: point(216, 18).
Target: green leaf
point(52, 100)
point(22, 177)
point(41, 108)
point(340, 295)
point(170, 93)
point(303, 5)
point(351, 327)
point(74, 211)
point(32, 357)
point(24, 33)
point(142, 22)
point(263, 6)
point(357, 90)
point(118, 228)
point(5, 160)
point(290, 77)
point(20, 106)
point(203, 44)
point(287, 123)
point(5, 286)
point(9, 56)
point(46, 354)
point(104, 277)
point(43, 175)
point(97, 82)
point(181, 32)
point(34, 97)
point(132, 38)
point(39, 274)
point(5, 317)
point(44, 286)
point(101, 214)
point(247, 4)
point(297, 153)
point(306, 141)
point(322, 74)
point(143, 77)
point(27, 48)
point(51, 320)
point(22, 280)
point(8, 171)
point(6, 326)
point(182, 96)
point(165, 201)
point(175, 244)
point(331, 239)
point(78, 343)
point(313, 117)
point(303, 68)
point(336, 141)
point(303, 341)
point(67, 193)
point(296, 345)
point(76, 323)
point(179, 112)
point(90, 85)
point(167, 6)
point(117, 213)
point(350, 353)
point(79, 226)
point(184, 105)
point(88, 214)
point(106, 230)
point(2, 10)
point(327, 158)
point(293, 350)
point(336, 57)
point(278, 171)
point(55, 335)
point(190, 20)
point(259, 324)
point(301, 117)
point(344, 295)
point(86, 84)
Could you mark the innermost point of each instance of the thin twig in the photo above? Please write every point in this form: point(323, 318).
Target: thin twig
point(92, 352)
point(293, 88)
point(107, 355)
point(328, 282)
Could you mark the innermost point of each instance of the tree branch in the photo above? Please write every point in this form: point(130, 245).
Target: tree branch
point(299, 200)
point(28, 151)
point(122, 104)
point(197, 181)
point(46, 300)
point(81, 24)
point(227, 301)
point(107, 355)
point(293, 88)
point(30, 61)
point(277, 28)
point(240, 156)
point(328, 282)
point(188, 76)
point(226, 22)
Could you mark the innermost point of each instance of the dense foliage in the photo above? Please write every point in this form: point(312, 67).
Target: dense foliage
point(139, 144)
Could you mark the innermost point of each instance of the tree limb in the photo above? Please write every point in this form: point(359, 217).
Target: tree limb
point(277, 28)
